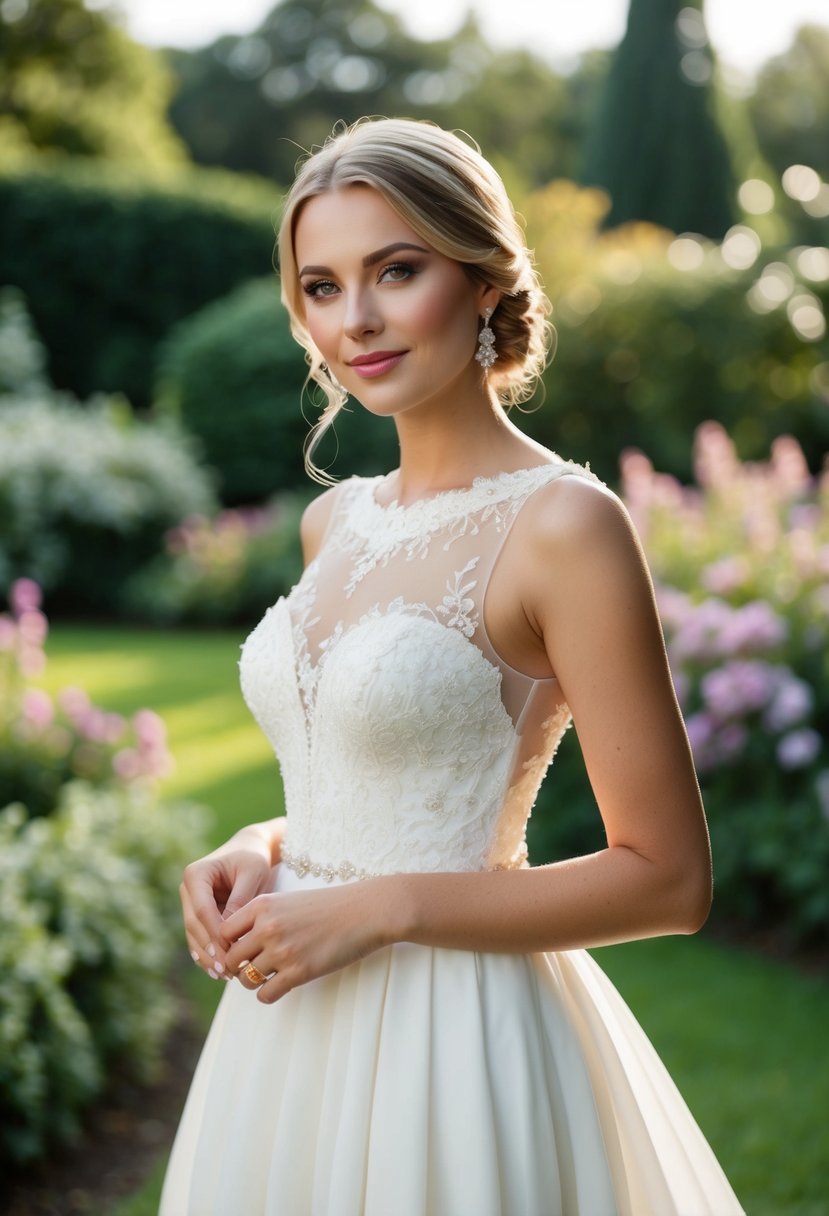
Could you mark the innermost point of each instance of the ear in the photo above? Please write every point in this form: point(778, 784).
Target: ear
point(489, 297)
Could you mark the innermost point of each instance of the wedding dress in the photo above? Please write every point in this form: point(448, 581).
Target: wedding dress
point(423, 1081)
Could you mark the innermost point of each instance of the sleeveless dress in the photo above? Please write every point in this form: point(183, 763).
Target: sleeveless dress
point(423, 1081)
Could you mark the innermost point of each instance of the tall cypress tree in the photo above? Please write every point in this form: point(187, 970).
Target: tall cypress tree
point(654, 143)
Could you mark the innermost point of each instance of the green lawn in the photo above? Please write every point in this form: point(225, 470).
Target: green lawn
point(745, 1039)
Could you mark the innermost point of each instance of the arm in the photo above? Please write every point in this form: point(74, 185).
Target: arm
point(589, 602)
point(218, 885)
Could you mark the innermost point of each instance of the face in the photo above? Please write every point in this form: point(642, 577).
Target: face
point(395, 321)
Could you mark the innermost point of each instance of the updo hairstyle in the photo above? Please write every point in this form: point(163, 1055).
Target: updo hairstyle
point(455, 201)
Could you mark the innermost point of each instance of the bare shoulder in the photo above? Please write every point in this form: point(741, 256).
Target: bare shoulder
point(578, 518)
point(315, 520)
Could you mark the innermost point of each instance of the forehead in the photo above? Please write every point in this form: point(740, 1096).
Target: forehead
point(351, 219)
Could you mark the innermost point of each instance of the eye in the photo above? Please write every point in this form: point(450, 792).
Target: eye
point(397, 272)
point(320, 289)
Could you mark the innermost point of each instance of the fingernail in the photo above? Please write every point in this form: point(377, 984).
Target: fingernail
point(194, 954)
point(211, 949)
point(213, 975)
point(219, 967)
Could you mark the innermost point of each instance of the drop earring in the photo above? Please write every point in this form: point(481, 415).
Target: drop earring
point(486, 353)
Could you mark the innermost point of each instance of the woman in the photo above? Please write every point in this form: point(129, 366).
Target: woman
point(416, 1029)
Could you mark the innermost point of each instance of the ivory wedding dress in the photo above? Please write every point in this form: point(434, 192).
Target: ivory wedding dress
point(423, 1081)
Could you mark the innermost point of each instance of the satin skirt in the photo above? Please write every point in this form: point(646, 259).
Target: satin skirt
point(423, 1081)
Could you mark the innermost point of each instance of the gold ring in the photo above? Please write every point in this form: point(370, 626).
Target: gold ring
point(254, 974)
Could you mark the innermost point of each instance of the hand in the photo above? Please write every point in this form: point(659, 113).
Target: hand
point(216, 887)
point(296, 936)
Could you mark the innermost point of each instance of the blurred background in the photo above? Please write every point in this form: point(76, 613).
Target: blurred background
point(671, 163)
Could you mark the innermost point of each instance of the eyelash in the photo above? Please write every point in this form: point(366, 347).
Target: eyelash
point(312, 289)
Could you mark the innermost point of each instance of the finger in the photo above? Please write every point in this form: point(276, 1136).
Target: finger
point(203, 909)
point(234, 927)
point(246, 888)
point(275, 988)
point(202, 950)
point(253, 975)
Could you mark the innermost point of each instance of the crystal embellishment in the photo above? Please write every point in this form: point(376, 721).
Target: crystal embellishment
point(485, 354)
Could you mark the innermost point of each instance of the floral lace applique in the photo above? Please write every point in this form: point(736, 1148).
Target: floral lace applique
point(458, 606)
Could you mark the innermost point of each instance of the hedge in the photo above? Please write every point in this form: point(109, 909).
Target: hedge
point(109, 259)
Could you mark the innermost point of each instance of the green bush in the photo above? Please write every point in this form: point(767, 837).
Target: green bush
point(87, 899)
point(86, 495)
point(655, 358)
point(741, 563)
point(234, 376)
point(221, 571)
point(656, 335)
point(109, 258)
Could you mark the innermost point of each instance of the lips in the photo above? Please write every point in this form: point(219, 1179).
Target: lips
point(376, 363)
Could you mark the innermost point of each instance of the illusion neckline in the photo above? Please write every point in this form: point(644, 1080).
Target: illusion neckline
point(488, 485)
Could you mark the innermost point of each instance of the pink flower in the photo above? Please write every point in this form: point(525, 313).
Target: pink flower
point(24, 596)
point(126, 764)
point(752, 628)
point(798, 749)
point(790, 704)
point(737, 688)
point(150, 730)
point(74, 702)
point(33, 627)
point(37, 708)
point(725, 575)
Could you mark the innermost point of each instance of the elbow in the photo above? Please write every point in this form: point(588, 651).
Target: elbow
point(694, 894)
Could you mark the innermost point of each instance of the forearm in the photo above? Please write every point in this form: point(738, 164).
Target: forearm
point(611, 896)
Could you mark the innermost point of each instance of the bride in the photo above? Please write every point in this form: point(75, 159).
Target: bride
point(414, 1027)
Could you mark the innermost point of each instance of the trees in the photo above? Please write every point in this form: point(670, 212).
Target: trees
point(251, 103)
point(655, 144)
point(73, 81)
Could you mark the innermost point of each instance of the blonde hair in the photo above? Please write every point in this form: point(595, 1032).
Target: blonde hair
point(454, 200)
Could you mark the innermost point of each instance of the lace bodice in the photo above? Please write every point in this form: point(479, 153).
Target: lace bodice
point(405, 741)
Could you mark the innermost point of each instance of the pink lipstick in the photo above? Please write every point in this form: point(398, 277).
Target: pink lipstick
point(377, 363)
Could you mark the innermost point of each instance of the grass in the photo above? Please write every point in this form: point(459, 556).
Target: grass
point(744, 1038)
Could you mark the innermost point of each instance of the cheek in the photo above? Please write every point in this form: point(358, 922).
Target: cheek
point(323, 328)
point(442, 312)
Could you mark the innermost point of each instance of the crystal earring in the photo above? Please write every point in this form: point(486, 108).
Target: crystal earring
point(486, 353)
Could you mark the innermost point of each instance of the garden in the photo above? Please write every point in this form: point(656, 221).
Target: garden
point(151, 486)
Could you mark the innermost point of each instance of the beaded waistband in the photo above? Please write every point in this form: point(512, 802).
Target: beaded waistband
point(302, 864)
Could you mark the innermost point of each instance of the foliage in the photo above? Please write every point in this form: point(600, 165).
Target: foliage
point(655, 144)
point(86, 495)
point(88, 876)
point(22, 356)
point(741, 563)
point(744, 565)
point(109, 258)
point(789, 106)
point(45, 743)
point(239, 350)
point(227, 569)
point(74, 81)
point(87, 898)
point(252, 102)
point(233, 375)
point(650, 345)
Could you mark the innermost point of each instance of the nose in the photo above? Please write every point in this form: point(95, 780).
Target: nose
point(362, 318)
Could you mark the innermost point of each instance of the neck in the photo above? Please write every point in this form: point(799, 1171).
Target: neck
point(448, 447)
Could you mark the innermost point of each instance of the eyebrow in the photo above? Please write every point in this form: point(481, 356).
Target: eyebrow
point(371, 259)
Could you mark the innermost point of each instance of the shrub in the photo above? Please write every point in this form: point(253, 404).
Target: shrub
point(225, 570)
point(655, 335)
point(87, 897)
point(110, 258)
point(86, 494)
point(22, 356)
point(234, 376)
point(88, 877)
point(45, 743)
point(741, 563)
